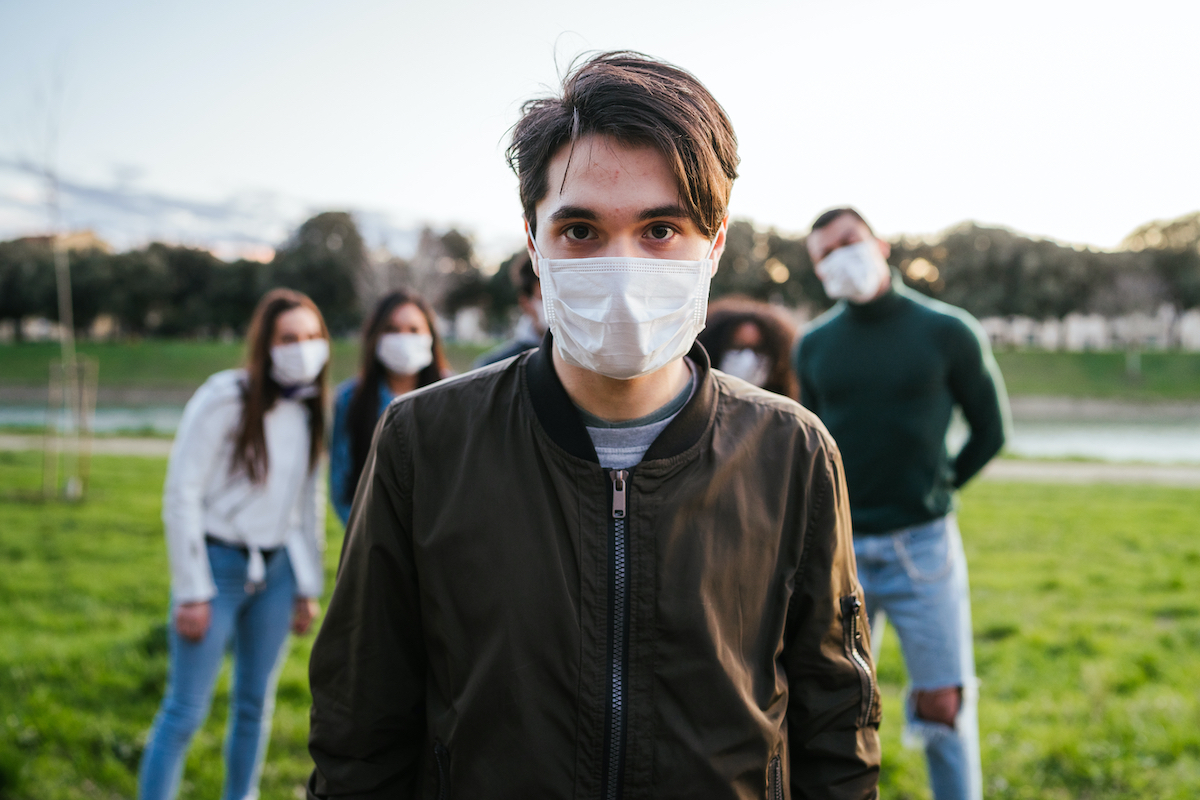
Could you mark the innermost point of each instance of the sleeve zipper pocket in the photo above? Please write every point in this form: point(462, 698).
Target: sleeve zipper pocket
point(852, 640)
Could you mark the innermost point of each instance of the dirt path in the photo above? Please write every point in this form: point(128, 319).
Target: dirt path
point(1092, 472)
point(1012, 470)
point(102, 446)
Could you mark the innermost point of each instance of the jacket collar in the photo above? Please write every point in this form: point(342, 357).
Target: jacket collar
point(561, 420)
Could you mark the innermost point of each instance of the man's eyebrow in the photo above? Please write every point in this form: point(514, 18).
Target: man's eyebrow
point(573, 212)
point(670, 212)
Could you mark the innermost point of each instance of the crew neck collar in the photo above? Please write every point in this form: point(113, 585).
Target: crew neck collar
point(881, 307)
point(562, 422)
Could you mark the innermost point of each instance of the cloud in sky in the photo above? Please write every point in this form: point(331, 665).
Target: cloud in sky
point(1057, 118)
point(244, 225)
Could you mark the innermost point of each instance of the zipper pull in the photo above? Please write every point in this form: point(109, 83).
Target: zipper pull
point(619, 477)
point(850, 608)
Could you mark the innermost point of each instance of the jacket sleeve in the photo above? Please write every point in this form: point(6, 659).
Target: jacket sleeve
point(340, 461)
point(833, 703)
point(306, 548)
point(978, 388)
point(208, 422)
point(367, 670)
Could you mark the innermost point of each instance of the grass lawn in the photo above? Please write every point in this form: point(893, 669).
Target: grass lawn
point(1087, 620)
point(1164, 375)
point(170, 363)
point(173, 364)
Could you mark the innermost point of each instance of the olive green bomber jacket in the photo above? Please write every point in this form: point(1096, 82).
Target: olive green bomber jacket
point(510, 620)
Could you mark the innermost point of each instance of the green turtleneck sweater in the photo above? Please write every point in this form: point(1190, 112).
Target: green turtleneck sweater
point(884, 377)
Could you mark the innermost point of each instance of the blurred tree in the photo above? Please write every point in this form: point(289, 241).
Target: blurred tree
point(232, 293)
point(1174, 248)
point(996, 272)
point(324, 259)
point(446, 273)
point(767, 265)
point(139, 293)
point(26, 282)
point(91, 278)
point(189, 308)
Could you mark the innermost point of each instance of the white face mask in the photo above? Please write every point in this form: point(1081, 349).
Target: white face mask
point(405, 353)
point(298, 363)
point(624, 317)
point(539, 308)
point(748, 365)
point(854, 272)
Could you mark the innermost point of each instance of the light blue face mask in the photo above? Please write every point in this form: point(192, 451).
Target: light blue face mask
point(623, 317)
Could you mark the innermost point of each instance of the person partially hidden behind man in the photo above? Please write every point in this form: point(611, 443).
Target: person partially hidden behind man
point(601, 569)
point(884, 369)
point(531, 325)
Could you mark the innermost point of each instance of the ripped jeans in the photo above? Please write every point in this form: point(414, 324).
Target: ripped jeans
point(917, 578)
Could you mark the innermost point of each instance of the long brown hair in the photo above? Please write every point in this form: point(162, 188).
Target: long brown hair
point(261, 391)
point(363, 411)
point(778, 333)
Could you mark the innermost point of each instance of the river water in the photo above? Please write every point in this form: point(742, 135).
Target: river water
point(1163, 442)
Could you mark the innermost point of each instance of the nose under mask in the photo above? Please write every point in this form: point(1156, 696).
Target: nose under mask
point(624, 317)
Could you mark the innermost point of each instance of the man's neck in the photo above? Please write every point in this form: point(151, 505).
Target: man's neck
point(616, 400)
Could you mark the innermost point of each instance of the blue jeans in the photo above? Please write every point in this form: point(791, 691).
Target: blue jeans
point(917, 578)
point(257, 627)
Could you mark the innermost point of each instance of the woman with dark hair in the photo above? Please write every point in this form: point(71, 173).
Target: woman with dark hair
point(244, 516)
point(400, 351)
point(752, 341)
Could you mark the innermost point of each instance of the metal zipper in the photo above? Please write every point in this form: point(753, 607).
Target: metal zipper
point(614, 734)
point(776, 789)
point(853, 644)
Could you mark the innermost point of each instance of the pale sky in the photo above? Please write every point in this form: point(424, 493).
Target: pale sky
point(224, 124)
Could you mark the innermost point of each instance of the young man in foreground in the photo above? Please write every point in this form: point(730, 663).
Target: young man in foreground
point(883, 370)
point(601, 569)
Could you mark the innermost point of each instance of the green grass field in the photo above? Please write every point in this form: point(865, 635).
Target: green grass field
point(172, 364)
point(1087, 620)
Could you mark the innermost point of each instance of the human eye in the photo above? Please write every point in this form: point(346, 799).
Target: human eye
point(578, 233)
point(660, 232)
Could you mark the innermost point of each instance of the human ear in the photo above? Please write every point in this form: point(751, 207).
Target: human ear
point(884, 247)
point(719, 246)
point(533, 259)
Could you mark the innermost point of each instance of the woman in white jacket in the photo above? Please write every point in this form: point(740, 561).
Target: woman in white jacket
point(244, 513)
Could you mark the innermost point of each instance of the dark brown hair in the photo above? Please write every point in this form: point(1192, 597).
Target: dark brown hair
point(261, 391)
point(829, 216)
point(778, 333)
point(363, 410)
point(636, 100)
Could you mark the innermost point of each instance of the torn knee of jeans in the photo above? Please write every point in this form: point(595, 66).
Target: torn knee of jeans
point(938, 705)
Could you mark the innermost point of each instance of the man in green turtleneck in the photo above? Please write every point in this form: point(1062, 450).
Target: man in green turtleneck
point(884, 369)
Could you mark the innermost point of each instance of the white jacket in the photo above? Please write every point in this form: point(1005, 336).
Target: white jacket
point(203, 496)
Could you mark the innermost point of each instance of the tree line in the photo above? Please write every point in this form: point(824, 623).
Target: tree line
point(170, 290)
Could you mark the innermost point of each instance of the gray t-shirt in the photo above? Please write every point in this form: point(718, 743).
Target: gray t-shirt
point(621, 445)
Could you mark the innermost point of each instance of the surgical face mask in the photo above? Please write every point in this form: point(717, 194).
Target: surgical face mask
point(298, 363)
point(405, 353)
point(540, 309)
point(748, 365)
point(854, 272)
point(624, 317)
